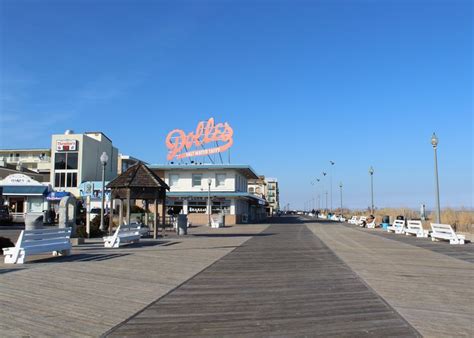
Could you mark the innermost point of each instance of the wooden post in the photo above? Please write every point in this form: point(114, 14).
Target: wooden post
point(163, 208)
point(155, 227)
point(111, 214)
point(121, 212)
point(128, 206)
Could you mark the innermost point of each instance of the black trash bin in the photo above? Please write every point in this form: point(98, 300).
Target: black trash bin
point(386, 219)
point(400, 217)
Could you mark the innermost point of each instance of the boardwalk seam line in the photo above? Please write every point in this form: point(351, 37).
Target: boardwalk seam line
point(114, 328)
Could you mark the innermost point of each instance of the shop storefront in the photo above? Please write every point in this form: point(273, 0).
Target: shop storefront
point(22, 194)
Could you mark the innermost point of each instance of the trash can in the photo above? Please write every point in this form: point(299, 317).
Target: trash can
point(34, 220)
point(182, 228)
point(385, 222)
point(400, 217)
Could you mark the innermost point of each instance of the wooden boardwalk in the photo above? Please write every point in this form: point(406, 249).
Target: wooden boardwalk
point(433, 291)
point(284, 282)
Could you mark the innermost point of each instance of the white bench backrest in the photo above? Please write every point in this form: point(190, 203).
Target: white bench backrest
point(445, 229)
point(414, 225)
point(362, 218)
point(43, 237)
point(398, 223)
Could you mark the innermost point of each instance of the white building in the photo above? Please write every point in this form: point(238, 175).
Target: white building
point(192, 186)
point(76, 158)
point(34, 159)
point(273, 194)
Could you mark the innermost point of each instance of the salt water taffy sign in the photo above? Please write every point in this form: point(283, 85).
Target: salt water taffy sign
point(180, 144)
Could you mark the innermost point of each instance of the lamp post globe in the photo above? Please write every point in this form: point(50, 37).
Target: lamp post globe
point(103, 160)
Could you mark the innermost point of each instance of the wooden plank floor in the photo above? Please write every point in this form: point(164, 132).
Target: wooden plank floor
point(464, 252)
point(432, 291)
point(286, 282)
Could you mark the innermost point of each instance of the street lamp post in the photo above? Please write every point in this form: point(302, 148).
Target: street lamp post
point(330, 180)
point(103, 159)
point(209, 181)
point(340, 187)
point(371, 172)
point(434, 143)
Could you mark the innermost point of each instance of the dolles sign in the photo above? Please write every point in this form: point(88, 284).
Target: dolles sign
point(180, 144)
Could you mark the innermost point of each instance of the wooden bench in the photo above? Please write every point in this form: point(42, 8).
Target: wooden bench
point(125, 234)
point(33, 242)
point(445, 232)
point(415, 228)
point(398, 226)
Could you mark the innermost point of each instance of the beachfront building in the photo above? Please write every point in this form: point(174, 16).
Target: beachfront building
point(35, 159)
point(197, 190)
point(273, 195)
point(76, 159)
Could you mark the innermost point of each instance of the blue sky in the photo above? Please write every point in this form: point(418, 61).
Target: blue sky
point(301, 82)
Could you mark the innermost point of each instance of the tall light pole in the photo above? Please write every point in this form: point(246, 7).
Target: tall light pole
point(340, 187)
point(371, 172)
point(322, 190)
point(330, 180)
point(434, 143)
point(103, 159)
point(209, 181)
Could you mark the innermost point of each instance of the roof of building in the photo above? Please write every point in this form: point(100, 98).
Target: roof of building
point(138, 176)
point(244, 169)
point(98, 132)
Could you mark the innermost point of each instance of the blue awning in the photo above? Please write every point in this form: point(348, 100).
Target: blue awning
point(25, 190)
point(57, 195)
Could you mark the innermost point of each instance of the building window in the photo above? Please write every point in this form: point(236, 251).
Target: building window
point(60, 161)
point(197, 178)
point(174, 178)
point(220, 180)
point(64, 161)
point(71, 161)
point(251, 190)
point(65, 180)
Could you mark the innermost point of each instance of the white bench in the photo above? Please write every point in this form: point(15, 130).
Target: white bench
point(33, 242)
point(415, 228)
point(398, 226)
point(361, 220)
point(353, 220)
point(371, 225)
point(322, 216)
point(124, 234)
point(445, 232)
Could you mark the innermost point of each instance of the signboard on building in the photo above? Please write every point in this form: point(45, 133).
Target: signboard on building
point(19, 179)
point(66, 145)
point(216, 136)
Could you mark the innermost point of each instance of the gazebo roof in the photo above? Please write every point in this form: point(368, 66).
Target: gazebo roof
point(138, 176)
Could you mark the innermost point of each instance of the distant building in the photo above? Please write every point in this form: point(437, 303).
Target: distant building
point(273, 194)
point(125, 162)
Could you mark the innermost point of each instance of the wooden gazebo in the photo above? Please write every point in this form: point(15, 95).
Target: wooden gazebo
point(139, 183)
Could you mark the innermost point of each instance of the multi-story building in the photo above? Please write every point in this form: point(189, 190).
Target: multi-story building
point(201, 190)
point(35, 159)
point(273, 194)
point(76, 158)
